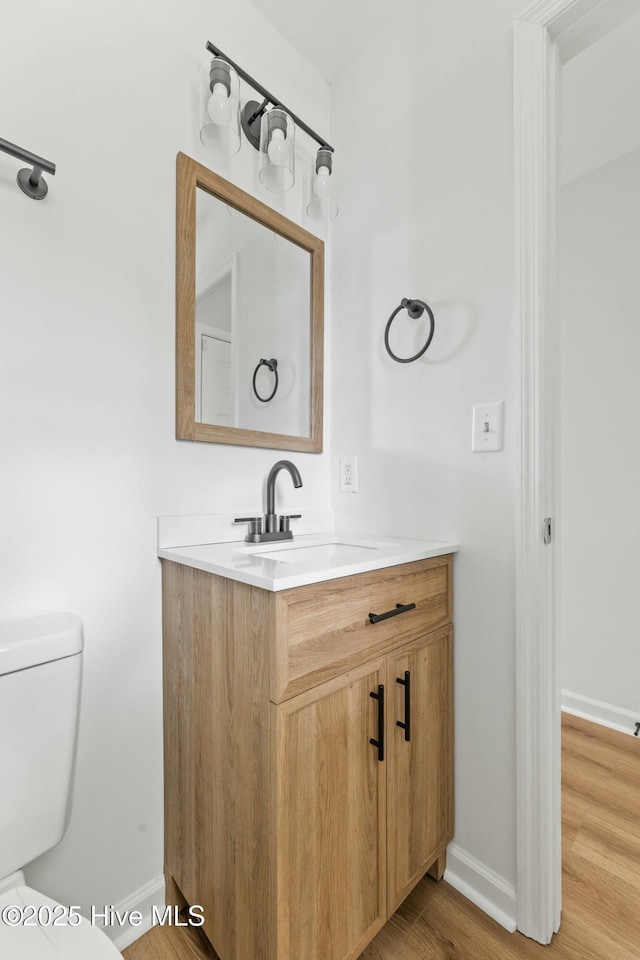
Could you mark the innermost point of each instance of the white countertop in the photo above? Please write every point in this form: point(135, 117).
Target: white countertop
point(280, 565)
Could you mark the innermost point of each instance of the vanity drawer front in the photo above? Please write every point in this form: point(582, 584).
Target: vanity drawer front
point(324, 629)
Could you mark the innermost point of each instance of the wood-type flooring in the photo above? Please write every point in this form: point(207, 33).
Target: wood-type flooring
point(601, 878)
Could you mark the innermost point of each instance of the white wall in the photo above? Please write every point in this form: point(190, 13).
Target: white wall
point(89, 459)
point(423, 119)
point(599, 90)
point(600, 463)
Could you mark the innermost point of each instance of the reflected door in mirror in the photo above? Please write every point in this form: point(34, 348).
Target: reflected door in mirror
point(215, 400)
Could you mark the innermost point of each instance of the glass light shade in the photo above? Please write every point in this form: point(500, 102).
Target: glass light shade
point(322, 206)
point(220, 109)
point(277, 150)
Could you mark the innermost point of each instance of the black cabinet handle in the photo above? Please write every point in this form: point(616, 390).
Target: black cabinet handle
point(400, 608)
point(379, 743)
point(406, 724)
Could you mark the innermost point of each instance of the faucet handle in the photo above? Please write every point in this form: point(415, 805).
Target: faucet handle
point(284, 521)
point(255, 523)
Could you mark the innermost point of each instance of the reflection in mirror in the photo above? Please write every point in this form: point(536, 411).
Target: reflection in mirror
point(252, 302)
point(216, 341)
point(249, 319)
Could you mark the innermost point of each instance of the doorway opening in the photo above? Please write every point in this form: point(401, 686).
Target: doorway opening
point(547, 34)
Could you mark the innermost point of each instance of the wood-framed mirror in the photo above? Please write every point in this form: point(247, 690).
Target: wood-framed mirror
point(249, 319)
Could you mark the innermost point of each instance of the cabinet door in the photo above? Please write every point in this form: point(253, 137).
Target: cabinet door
point(420, 772)
point(330, 869)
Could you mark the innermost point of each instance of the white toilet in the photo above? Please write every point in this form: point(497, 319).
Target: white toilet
point(40, 672)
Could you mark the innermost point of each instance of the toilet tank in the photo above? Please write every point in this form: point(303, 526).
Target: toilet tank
point(40, 673)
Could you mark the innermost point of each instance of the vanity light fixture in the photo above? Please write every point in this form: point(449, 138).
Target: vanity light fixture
point(269, 126)
point(277, 150)
point(220, 123)
point(322, 205)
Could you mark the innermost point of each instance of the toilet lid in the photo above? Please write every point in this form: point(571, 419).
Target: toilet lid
point(81, 942)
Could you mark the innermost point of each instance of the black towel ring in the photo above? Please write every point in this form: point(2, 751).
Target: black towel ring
point(273, 366)
point(415, 309)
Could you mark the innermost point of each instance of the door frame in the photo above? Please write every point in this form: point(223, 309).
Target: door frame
point(546, 34)
point(226, 270)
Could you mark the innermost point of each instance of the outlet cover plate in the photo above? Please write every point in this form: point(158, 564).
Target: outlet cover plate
point(348, 474)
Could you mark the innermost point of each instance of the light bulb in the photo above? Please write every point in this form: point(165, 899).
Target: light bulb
point(219, 105)
point(278, 151)
point(322, 185)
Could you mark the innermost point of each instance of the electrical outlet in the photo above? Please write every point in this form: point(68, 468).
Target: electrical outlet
point(348, 474)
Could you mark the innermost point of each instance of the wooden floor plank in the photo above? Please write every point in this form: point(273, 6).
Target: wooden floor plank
point(171, 943)
point(601, 878)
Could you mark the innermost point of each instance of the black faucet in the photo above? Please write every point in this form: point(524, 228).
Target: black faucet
point(271, 526)
point(271, 518)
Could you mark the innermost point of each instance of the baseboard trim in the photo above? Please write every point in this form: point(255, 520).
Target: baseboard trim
point(616, 718)
point(143, 900)
point(475, 881)
point(479, 884)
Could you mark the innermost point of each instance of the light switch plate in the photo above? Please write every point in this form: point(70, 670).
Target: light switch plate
point(487, 435)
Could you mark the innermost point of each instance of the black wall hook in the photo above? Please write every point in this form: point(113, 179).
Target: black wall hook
point(415, 309)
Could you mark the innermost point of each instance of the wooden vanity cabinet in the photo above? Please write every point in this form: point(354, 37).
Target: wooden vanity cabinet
point(330, 799)
point(294, 831)
point(420, 770)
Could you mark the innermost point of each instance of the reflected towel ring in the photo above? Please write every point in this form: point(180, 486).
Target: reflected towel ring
point(273, 366)
point(415, 309)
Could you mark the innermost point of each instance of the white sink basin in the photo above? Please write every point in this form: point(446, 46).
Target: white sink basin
point(338, 551)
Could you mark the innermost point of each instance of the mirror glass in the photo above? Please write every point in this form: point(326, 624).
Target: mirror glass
point(253, 323)
point(249, 319)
